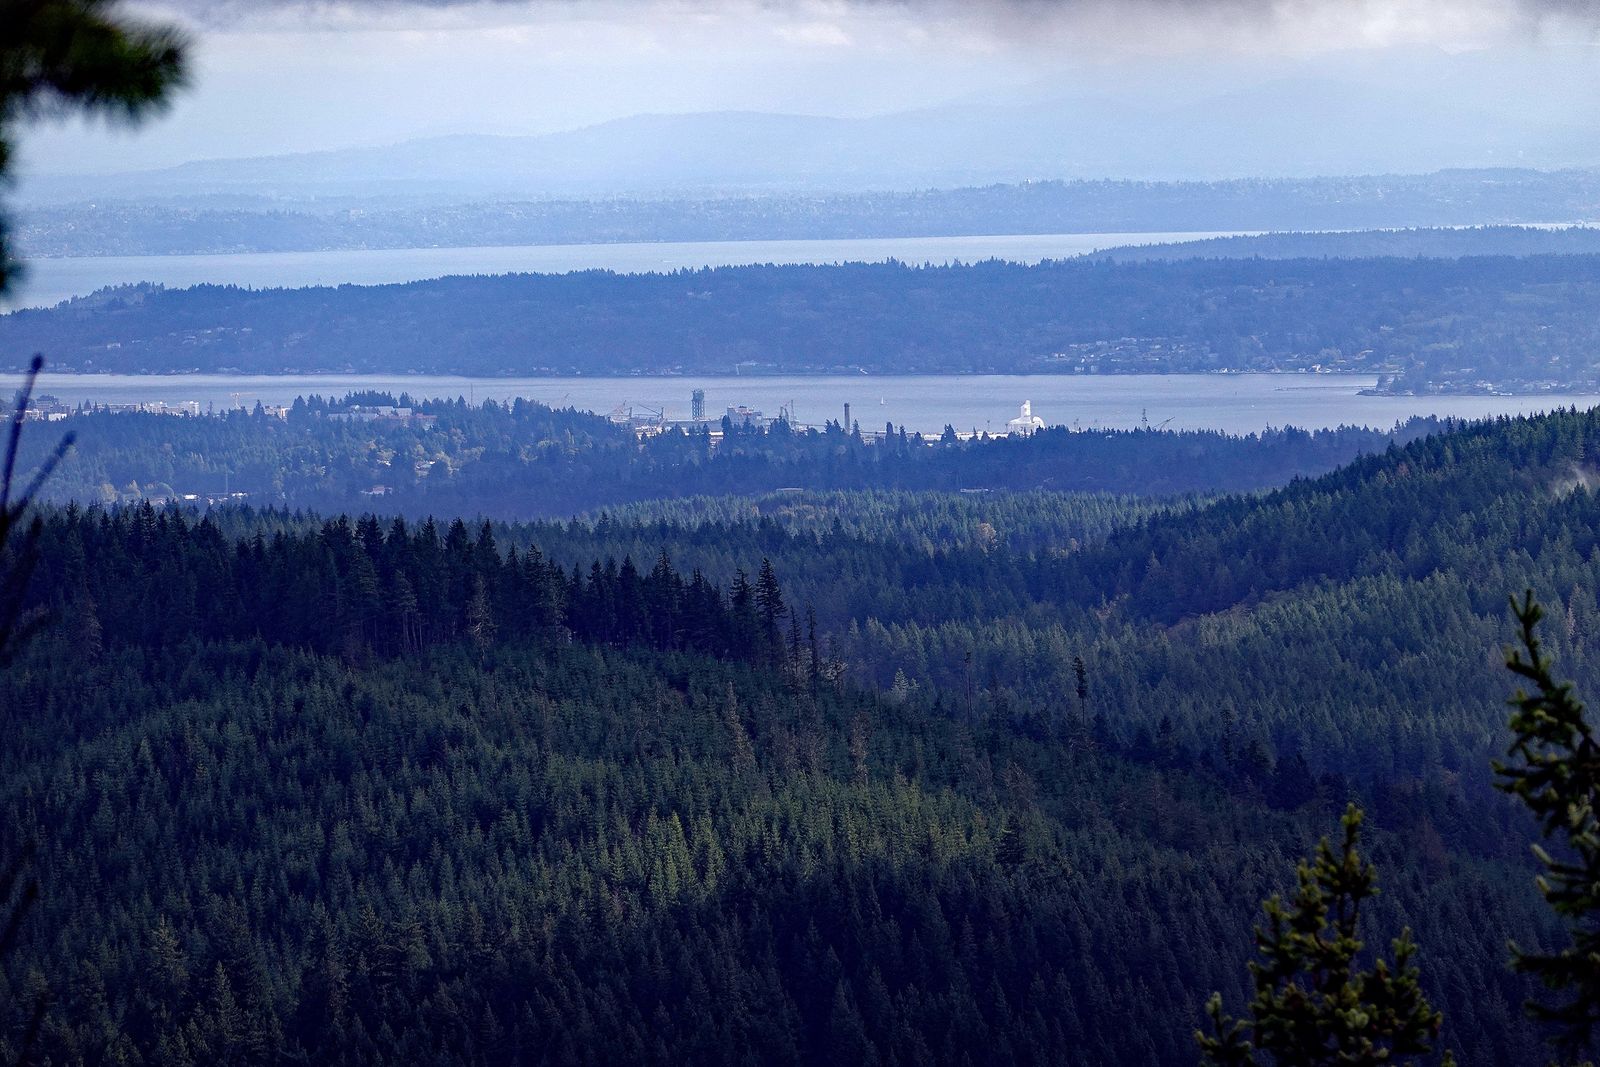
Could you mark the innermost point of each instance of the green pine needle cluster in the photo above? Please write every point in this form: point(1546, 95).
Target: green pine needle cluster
point(1556, 773)
point(1314, 1003)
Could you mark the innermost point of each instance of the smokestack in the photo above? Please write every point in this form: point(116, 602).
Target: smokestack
point(847, 417)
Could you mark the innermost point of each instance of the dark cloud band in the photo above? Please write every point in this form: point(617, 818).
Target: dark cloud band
point(1007, 13)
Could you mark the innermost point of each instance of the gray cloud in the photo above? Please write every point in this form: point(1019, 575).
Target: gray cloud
point(1041, 9)
point(1238, 25)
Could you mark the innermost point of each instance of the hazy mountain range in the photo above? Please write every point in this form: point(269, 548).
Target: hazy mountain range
point(1296, 126)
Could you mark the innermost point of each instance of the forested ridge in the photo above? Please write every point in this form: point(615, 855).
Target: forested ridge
point(1511, 322)
point(507, 847)
point(110, 227)
point(1355, 618)
point(525, 461)
point(690, 783)
point(1450, 242)
point(361, 589)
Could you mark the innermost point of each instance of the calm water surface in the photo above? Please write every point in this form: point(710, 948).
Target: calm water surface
point(1237, 403)
point(50, 281)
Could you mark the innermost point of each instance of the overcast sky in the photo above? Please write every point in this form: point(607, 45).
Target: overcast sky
point(285, 77)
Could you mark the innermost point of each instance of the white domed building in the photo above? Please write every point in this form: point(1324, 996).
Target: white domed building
point(1027, 423)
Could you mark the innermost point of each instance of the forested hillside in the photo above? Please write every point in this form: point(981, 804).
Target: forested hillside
point(432, 834)
point(695, 784)
point(1435, 243)
point(1025, 522)
point(1506, 322)
point(524, 460)
point(127, 227)
point(1352, 620)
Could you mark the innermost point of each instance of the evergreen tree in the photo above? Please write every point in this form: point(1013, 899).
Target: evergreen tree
point(742, 605)
point(77, 54)
point(403, 614)
point(1313, 1003)
point(769, 599)
point(1080, 677)
point(480, 617)
point(19, 554)
point(19, 533)
point(1555, 771)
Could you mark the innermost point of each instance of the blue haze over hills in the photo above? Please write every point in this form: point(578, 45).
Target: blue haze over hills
point(1403, 111)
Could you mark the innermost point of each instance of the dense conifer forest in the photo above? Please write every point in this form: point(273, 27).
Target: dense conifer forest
point(836, 777)
point(444, 733)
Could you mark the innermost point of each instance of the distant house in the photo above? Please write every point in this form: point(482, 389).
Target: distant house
point(744, 416)
point(382, 413)
point(153, 407)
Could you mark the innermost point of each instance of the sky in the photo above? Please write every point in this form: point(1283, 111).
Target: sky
point(274, 77)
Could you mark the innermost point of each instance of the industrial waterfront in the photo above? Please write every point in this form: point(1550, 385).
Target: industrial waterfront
point(1234, 403)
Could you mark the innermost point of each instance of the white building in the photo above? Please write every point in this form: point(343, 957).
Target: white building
point(745, 416)
point(1027, 423)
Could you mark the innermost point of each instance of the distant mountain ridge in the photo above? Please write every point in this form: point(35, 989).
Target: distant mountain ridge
point(1463, 198)
point(1472, 324)
point(1431, 243)
point(1299, 126)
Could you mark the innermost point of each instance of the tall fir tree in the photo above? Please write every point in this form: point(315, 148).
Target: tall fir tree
point(1314, 1004)
point(1554, 769)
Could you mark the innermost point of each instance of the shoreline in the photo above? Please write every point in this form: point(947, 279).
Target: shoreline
point(1322, 379)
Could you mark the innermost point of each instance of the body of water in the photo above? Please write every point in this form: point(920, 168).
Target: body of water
point(50, 281)
point(1236, 403)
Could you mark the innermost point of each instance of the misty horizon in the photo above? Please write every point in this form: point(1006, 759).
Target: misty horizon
point(992, 92)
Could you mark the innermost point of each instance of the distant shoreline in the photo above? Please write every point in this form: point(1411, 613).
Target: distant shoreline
point(49, 281)
point(1543, 390)
point(1239, 403)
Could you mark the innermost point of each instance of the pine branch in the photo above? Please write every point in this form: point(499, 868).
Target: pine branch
point(1554, 769)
